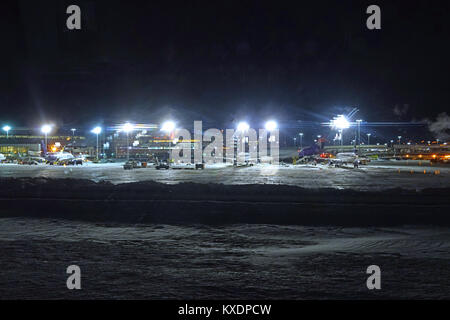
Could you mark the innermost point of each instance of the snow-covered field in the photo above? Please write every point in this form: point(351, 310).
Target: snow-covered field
point(220, 262)
point(199, 241)
point(377, 175)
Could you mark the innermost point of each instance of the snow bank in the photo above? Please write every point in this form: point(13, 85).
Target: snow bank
point(190, 203)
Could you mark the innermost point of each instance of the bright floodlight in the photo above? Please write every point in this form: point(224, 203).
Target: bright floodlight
point(6, 128)
point(127, 127)
point(46, 128)
point(340, 122)
point(243, 127)
point(168, 126)
point(97, 130)
point(271, 125)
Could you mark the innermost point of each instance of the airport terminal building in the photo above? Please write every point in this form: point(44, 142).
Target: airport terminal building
point(31, 144)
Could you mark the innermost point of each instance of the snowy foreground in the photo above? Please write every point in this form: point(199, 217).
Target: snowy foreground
point(225, 233)
point(220, 262)
point(378, 175)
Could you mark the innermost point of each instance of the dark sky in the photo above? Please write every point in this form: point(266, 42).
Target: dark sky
point(220, 60)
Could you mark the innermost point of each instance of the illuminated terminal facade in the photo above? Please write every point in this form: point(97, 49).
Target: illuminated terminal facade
point(143, 142)
point(28, 143)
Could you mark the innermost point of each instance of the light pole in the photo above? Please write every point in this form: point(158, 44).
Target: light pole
point(301, 140)
point(271, 126)
point(128, 127)
point(368, 138)
point(340, 122)
point(243, 127)
point(73, 138)
point(46, 128)
point(6, 129)
point(97, 131)
point(168, 127)
point(359, 133)
point(399, 139)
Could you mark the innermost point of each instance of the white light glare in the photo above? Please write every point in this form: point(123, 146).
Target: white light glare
point(46, 128)
point(127, 127)
point(97, 130)
point(243, 126)
point(271, 125)
point(168, 126)
point(340, 122)
point(6, 128)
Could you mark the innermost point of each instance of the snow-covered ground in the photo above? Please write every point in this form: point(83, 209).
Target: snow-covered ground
point(220, 262)
point(377, 175)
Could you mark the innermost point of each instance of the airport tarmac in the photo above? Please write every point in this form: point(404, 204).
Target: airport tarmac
point(378, 175)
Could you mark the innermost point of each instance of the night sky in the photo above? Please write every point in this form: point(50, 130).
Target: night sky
point(219, 61)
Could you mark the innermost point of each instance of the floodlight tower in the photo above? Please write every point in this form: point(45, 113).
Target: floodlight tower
point(271, 125)
point(359, 132)
point(128, 127)
point(45, 129)
point(168, 127)
point(340, 122)
point(244, 127)
point(6, 129)
point(73, 134)
point(97, 131)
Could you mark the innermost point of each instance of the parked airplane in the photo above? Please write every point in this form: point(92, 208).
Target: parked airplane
point(348, 157)
point(243, 159)
point(345, 157)
point(309, 151)
point(313, 150)
point(58, 156)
